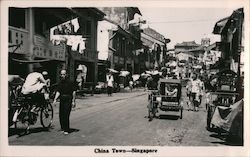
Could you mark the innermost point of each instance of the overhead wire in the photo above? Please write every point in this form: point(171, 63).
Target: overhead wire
point(184, 21)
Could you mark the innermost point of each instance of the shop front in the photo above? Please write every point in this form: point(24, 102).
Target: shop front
point(88, 60)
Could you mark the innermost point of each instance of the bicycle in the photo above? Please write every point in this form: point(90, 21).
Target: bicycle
point(27, 111)
point(152, 105)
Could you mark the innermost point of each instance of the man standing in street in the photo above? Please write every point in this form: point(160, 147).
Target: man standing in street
point(195, 91)
point(67, 92)
point(110, 83)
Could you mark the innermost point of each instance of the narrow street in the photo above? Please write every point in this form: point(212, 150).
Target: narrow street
point(80, 53)
point(122, 120)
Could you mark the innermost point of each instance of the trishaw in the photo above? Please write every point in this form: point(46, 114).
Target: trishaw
point(20, 106)
point(165, 98)
point(224, 94)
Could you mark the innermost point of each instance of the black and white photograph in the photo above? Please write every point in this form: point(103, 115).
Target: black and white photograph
point(162, 78)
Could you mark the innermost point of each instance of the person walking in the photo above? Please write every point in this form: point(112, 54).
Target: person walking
point(110, 83)
point(201, 89)
point(188, 92)
point(80, 77)
point(195, 89)
point(66, 89)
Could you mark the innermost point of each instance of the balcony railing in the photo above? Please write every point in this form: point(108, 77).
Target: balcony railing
point(89, 54)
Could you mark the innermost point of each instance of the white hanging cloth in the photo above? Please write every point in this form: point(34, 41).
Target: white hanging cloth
point(75, 24)
point(65, 29)
point(82, 46)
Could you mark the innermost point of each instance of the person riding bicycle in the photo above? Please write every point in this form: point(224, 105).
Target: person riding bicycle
point(152, 82)
point(34, 85)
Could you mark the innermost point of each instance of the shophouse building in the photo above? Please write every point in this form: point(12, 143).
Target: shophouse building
point(119, 40)
point(231, 45)
point(153, 54)
point(29, 41)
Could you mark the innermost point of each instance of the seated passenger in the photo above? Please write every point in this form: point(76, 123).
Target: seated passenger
point(171, 90)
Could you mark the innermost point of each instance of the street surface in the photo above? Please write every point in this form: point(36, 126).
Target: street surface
point(122, 120)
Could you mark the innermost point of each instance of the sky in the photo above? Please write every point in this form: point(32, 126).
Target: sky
point(185, 24)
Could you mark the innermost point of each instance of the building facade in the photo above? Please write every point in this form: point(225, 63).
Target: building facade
point(29, 41)
point(185, 50)
point(121, 39)
point(154, 49)
point(231, 29)
point(231, 45)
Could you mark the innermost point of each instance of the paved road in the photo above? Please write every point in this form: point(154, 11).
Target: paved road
point(122, 120)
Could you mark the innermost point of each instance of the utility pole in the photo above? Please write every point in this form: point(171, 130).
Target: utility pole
point(31, 30)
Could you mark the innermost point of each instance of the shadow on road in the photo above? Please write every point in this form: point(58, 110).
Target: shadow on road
point(227, 139)
point(22, 132)
point(169, 117)
point(163, 117)
point(73, 130)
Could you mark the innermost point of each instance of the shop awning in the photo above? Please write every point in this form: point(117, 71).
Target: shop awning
point(30, 61)
point(220, 25)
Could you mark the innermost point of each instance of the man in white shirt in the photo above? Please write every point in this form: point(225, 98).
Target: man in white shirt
point(33, 83)
point(110, 83)
point(202, 89)
point(195, 91)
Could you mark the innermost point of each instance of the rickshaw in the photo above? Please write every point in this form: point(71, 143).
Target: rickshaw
point(224, 94)
point(20, 106)
point(165, 98)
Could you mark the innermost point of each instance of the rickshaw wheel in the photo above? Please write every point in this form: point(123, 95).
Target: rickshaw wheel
point(209, 118)
point(181, 113)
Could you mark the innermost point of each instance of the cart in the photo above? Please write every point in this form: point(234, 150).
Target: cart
point(165, 98)
point(225, 93)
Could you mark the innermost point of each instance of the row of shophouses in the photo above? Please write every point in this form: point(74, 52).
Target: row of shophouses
point(113, 38)
point(226, 54)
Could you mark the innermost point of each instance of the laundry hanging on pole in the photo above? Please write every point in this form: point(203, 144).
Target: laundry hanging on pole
point(65, 33)
point(75, 24)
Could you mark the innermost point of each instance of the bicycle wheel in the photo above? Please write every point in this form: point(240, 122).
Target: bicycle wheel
point(46, 116)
